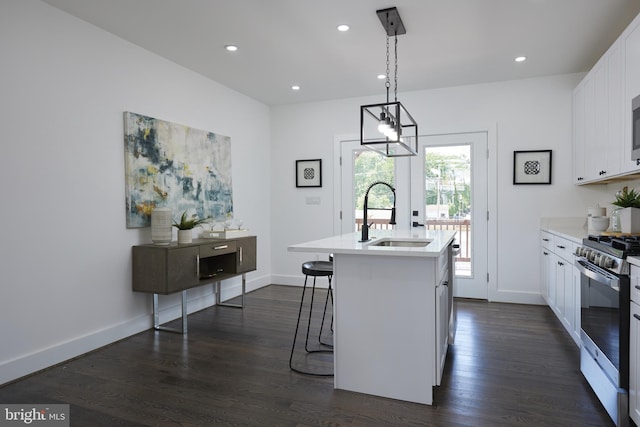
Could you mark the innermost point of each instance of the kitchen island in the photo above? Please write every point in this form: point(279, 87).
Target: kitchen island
point(391, 310)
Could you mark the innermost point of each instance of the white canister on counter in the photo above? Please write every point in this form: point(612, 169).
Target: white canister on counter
point(597, 211)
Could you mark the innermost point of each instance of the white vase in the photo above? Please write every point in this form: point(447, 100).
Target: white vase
point(161, 226)
point(185, 236)
point(630, 220)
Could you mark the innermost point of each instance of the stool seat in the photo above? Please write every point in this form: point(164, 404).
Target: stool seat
point(317, 268)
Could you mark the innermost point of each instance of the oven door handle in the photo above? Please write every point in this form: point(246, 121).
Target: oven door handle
point(597, 274)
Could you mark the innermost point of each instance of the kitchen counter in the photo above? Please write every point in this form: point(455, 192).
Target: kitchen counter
point(634, 260)
point(570, 228)
point(439, 240)
point(391, 313)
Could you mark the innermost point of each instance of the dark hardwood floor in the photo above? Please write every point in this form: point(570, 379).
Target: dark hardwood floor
point(511, 365)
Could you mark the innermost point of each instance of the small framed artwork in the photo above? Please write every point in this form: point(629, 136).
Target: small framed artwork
point(309, 173)
point(532, 167)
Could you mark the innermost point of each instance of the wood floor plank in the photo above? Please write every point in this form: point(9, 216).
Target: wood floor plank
point(511, 365)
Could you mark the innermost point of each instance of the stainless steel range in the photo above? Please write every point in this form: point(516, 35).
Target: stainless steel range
point(604, 319)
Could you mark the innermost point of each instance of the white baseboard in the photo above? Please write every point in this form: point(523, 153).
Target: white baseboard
point(517, 297)
point(291, 280)
point(170, 309)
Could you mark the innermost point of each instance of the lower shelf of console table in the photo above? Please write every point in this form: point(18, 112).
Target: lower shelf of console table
point(164, 270)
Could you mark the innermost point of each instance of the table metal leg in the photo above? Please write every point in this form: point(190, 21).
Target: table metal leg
point(156, 316)
point(226, 304)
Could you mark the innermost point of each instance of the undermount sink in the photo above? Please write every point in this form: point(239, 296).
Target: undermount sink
point(408, 243)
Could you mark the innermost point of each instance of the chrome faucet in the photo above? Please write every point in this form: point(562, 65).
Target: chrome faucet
point(365, 226)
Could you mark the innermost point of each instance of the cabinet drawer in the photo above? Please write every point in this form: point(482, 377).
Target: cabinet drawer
point(217, 248)
point(564, 248)
point(635, 283)
point(547, 240)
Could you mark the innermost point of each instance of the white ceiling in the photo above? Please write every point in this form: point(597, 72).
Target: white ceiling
point(286, 42)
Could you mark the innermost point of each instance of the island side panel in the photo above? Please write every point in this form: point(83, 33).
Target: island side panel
point(385, 326)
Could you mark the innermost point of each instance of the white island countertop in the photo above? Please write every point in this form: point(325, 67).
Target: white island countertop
point(438, 240)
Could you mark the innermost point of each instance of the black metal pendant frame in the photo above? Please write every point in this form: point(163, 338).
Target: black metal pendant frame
point(406, 129)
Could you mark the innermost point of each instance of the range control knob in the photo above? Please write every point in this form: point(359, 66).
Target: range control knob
point(606, 262)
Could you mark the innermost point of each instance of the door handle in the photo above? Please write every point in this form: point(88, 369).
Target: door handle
point(417, 224)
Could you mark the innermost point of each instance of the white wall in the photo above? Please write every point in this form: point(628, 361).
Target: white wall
point(523, 115)
point(65, 260)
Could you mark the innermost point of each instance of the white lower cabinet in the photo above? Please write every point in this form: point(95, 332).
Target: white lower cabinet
point(575, 332)
point(442, 328)
point(634, 371)
point(546, 261)
point(634, 346)
point(561, 282)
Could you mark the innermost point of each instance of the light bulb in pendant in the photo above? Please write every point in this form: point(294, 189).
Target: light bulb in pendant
point(383, 123)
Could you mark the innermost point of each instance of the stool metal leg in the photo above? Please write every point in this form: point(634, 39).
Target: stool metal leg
point(293, 346)
point(324, 313)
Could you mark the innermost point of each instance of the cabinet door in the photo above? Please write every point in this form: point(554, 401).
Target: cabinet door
point(577, 306)
point(615, 140)
point(597, 128)
point(182, 269)
point(589, 125)
point(568, 314)
point(634, 372)
point(631, 39)
point(551, 274)
point(559, 286)
point(442, 329)
point(545, 263)
point(246, 255)
point(164, 270)
point(578, 134)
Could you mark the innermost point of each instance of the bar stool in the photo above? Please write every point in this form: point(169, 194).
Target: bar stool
point(314, 269)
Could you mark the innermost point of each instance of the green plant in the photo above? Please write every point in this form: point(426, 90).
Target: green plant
point(187, 223)
point(627, 199)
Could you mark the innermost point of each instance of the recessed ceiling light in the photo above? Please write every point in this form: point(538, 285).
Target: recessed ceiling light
point(382, 76)
point(295, 87)
point(343, 27)
point(521, 58)
point(231, 47)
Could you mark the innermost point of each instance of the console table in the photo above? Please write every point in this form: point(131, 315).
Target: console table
point(164, 270)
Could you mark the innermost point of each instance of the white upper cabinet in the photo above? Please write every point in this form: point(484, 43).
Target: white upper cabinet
point(597, 119)
point(597, 124)
point(579, 142)
point(631, 39)
point(602, 112)
point(615, 110)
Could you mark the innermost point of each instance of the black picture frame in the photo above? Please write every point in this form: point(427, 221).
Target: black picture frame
point(309, 173)
point(532, 167)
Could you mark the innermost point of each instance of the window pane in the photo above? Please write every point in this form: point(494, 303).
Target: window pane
point(448, 197)
point(369, 167)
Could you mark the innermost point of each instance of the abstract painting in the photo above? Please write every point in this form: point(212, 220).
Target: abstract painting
point(175, 166)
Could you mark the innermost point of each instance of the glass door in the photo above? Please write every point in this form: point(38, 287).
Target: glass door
point(444, 187)
point(449, 192)
point(362, 167)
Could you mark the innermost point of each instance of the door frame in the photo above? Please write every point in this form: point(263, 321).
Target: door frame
point(493, 285)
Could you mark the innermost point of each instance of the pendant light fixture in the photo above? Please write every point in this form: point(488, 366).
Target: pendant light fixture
point(388, 128)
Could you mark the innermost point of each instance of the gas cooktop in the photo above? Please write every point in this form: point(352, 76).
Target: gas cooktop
point(622, 246)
